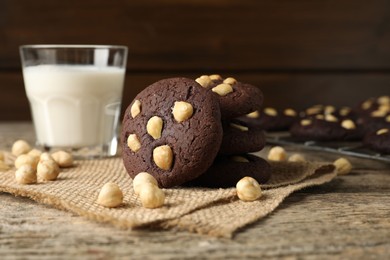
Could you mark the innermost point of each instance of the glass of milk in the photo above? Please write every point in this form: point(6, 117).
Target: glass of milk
point(75, 94)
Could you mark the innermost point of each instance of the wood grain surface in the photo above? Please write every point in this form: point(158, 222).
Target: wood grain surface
point(348, 218)
point(328, 51)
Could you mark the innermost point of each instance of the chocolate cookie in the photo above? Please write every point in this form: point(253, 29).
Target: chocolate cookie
point(379, 140)
point(271, 119)
point(374, 121)
point(374, 106)
point(240, 137)
point(235, 98)
point(171, 130)
point(327, 128)
point(340, 113)
point(226, 171)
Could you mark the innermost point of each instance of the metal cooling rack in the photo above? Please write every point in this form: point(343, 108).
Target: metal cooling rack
point(355, 148)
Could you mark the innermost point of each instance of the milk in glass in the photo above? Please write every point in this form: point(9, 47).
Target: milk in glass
point(74, 105)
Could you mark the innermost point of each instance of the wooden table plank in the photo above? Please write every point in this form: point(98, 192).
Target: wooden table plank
point(195, 35)
point(348, 218)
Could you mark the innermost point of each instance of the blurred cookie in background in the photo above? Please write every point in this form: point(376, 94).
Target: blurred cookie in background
point(271, 119)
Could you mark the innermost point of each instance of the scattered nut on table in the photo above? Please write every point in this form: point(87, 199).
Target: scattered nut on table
point(63, 159)
point(47, 170)
point(142, 178)
point(248, 189)
point(1, 157)
point(26, 159)
point(20, 147)
point(343, 166)
point(297, 157)
point(26, 174)
point(45, 156)
point(36, 154)
point(110, 195)
point(151, 196)
point(277, 153)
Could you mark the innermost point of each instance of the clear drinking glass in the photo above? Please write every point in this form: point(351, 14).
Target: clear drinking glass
point(75, 94)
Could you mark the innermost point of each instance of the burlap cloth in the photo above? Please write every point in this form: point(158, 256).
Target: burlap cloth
point(215, 212)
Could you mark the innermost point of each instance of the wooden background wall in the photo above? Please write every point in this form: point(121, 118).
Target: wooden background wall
point(298, 52)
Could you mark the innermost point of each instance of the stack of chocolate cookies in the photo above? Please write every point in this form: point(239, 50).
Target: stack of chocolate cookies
point(186, 132)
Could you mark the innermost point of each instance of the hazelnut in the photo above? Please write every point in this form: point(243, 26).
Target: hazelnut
point(182, 111)
point(343, 166)
point(296, 157)
point(133, 143)
point(222, 89)
point(204, 81)
point(26, 159)
point(239, 127)
point(230, 81)
point(151, 196)
point(142, 178)
point(215, 77)
point(314, 110)
point(345, 111)
point(270, 111)
point(290, 112)
point(45, 156)
point(277, 153)
point(329, 110)
point(248, 189)
point(254, 114)
point(47, 170)
point(35, 153)
point(25, 175)
point(385, 107)
point(305, 122)
point(367, 104)
point(163, 157)
point(135, 108)
point(348, 124)
point(382, 131)
point(378, 113)
point(154, 127)
point(383, 100)
point(20, 147)
point(237, 158)
point(63, 159)
point(330, 118)
point(110, 195)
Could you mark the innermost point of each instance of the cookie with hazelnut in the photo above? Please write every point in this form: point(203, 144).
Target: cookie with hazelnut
point(172, 130)
point(271, 119)
point(379, 140)
point(235, 98)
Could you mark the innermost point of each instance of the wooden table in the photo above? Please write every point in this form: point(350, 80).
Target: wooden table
point(348, 218)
